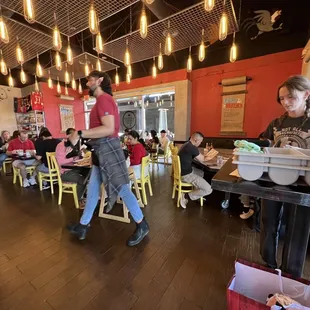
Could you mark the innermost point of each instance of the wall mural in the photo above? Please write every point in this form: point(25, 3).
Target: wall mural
point(264, 21)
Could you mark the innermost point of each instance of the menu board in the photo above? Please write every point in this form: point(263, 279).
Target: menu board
point(66, 117)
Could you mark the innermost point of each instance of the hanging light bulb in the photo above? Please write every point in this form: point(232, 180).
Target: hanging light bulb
point(223, 29)
point(93, 19)
point(143, 23)
point(69, 54)
point(49, 81)
point(209, 5)
point(66, 90)
point(116, 78)
point(4, 35)
point(233, 51)
point(149, 1)
point(23, 76)
point(154, 70)
point(80, 87)
point(58, 62)
point(3, 67)
point(98, 64)
point(73, 82)
point(67, 76)
point(58, 88)
point(29, 11)
point(10, 79)
point(19, 54)
point(86, 67)
point(129, 71)
point(39, 70)
point(160, 59)
point(57, 38)
point(202, 49)
point(127, 55)
point(36, 84)
point(189, 61)
point(168, 43)
point(99, 43)
point(128, 80)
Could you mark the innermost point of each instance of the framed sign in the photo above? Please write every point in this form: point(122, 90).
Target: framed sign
point(66, 117)
point(129, 119)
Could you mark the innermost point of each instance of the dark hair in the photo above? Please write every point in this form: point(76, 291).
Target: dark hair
point(198, 133)
point(163, 131)
point(134, 134)
point(15, 134)
point(300, 83)
point(43, 129)
point(106, 82)
point(126, 153)
point(126, 130)
point(153, 134)
point(69, 131)
point(45, 134)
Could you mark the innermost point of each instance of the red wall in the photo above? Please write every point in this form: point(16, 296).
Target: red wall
point(51, 109)
point(267, 72)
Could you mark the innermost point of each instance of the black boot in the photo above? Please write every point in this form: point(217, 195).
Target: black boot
point(141, 231)
point(79, 230)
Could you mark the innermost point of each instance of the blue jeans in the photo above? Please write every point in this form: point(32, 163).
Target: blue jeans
point(3, 157)
point(93, 193)
point(42, 168)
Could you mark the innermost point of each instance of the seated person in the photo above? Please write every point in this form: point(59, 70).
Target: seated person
point(4, 143)
point(187, 153)
point(124, 137)
point(24, 144)
point(66, 154)
point(153, 143)
point(136, 151)
point(164, 142)
point(38, 141)
point(47, 145)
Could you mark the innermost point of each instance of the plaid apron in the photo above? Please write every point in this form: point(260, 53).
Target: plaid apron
point(112, 163)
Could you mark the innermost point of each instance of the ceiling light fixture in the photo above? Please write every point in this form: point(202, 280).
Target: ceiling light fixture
point(10, 79)
point(19, 53)
point(154, 69)
point(189, 61)
point(58, 62)
point(168, 43)
point(93, 19)
point(58, 88)
point(23, 78)
point(3, 67)
point(116, 78)
point(39, 70)
point(233, 51)
point(49, 81)
point(143, 23)
point(209, 5)
point(29, 11)
point(80, 87)
point(202, 48)
point(99, 43)
point(160, 63)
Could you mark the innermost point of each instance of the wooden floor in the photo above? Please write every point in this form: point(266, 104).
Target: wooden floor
point(185, 263)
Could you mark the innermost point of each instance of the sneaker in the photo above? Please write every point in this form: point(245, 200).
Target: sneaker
point(183, 201)
point(32, 181)
point(78, 230)
point(26, 183)
point(139, 234)
point(45, 185)
point(246, 215)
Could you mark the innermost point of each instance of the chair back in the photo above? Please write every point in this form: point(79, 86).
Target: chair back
point(167, 150)
point(176, 168)
point(50, 163)
point(145, 164)
point(175, 150)
point(57, 169)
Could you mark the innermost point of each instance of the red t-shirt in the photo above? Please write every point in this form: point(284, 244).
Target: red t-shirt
point(105, 105)
point(17, 144)
point(137, 152)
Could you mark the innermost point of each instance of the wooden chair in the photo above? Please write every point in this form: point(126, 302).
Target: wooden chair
point(145, 178)
point(16, 174)
point(166, 155)
point(174, 151)
point(65, 187)
point(154, 156)
point(178, 185)
point(8, 161)
point(51, 176)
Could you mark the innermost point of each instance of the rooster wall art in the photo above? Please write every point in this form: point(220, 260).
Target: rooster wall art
point(263, 21)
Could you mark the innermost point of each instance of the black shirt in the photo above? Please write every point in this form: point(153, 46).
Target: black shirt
point(187, 153)
point(44, 146)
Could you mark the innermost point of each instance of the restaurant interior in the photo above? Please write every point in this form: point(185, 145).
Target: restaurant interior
point(201, 83)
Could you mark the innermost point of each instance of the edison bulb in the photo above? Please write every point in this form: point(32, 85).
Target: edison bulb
point(3, 66)
point(57, 38)
point(98, 65)
point(154, 71)
point(223, 29)
point(29, 11)
point(129, 71)
point(168, 44)
point(23, 76)
point(209, 5)
point(202, 52)
point(189, 63)
point(116, 79)
point(143, 24)
point(58, 62)
point(127, 57)
point(86, 69)
point(19, 54)
point(80, 88)
point(66, 90)
point(127, 78)
point(93, 20)
point(10, 80)
point(233, 53)
point(50, 83)
point(67, 77)
point(58, 88)
point(4, 35)
point(160, 63)
point(39, 70)
point(73, 83)
point(69, 54)
point(36, 85)
point(99, 43)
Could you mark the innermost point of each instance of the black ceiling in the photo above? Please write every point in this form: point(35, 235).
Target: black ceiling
point(294, 34)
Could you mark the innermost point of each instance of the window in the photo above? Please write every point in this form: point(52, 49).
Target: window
point(88, 105)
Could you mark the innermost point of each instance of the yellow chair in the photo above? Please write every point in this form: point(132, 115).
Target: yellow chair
point(145, 178)
point(178, 185)
point(8, 161)
point(174, 151)
point(51, 176)
point(16, 174)
point(65, 187)
point(167, 154)
point(154, 156)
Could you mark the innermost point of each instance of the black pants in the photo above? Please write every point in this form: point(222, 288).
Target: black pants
point(78, 177)
point(296, 235)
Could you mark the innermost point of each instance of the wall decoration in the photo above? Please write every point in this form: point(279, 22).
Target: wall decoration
point(263, 21)
point(36, 100)
point(129, 119)
point(66, 117)
point(3, 94)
